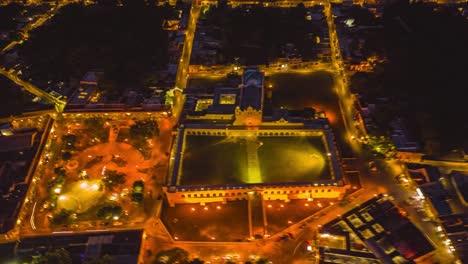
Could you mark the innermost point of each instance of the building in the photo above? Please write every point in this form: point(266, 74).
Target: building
point(400, 137)
point(226, 148)
point(123, 245)
point(389, 235)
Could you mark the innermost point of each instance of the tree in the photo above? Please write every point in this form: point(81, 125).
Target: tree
point(113, 178)
point(145, 129)
point(106, 259)
point(137, 191)
point(174, 255)
point(261, 261)
point(66, 155)
point(94, 127)
point(64, 217)
point(179, 4)
point(60, 171)
point(197, 261)
point(108, 212)
point(69, 141)
point(56, 256)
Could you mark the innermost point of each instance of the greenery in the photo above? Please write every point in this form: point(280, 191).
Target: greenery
point(137, 191)
point(95, 160)
point(113, 178)
point(66, 155)
point(144, 129)
point(108, 212)
point(141, 132)
point(59, 178)
point(55, 256)
point(174, 255)
point(380, 146)
point(94, 127)
point(106, 259)
point(261, 261)
point(120, 162)
point(60, 171)
point(64, 217)
point(69, 141)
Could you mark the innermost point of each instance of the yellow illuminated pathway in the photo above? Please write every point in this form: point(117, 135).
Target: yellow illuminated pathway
point(253, 166)
point(59, 104)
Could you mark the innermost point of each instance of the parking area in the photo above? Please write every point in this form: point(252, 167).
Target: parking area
point(281, 214)
point(210, 222)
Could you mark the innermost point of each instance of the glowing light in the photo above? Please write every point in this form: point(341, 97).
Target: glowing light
point(269, 206)
point(193, 209)
point(420, 193)
point(309, 248)
point(306, 204)
point(325, 235)
point(282, 205)
point(289, 222)
point(84, 185)
point(116, 217)
point(62, 197)
point(95, 187)
point(205, 208)
point(218, 207)
point(57, 190)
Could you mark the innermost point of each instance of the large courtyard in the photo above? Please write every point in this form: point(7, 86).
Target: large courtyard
point(229, 160)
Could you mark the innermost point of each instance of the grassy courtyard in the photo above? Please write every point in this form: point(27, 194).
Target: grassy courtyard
point(224, 160)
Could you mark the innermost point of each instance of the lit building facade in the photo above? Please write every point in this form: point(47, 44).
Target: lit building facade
point(278, 157)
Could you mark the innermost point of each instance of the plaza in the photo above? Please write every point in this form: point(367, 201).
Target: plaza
point(91, 163)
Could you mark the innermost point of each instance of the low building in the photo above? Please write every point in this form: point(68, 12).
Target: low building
point(17, 142)
point(400, 137)
point(389, 235)
point(422, 174)
point(229, 127)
